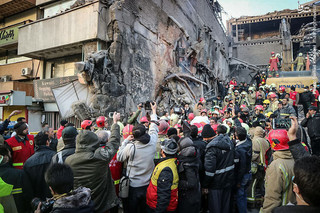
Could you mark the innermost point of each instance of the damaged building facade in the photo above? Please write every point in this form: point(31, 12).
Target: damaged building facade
point(285, 32)
point(132, 51)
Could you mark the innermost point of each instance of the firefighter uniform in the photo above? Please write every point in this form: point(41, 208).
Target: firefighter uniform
point(273, 61)
point(22, 149)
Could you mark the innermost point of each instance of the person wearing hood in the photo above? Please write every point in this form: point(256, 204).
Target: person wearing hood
point(36, 166)
point(189, 182)
point(89, 166)
point(243, 154)
point(69, 135)
point(219, 170)
point(139, 150)
point(60, 180)
point(21, 145)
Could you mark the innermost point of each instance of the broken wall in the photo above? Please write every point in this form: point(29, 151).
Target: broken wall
point(172, 51)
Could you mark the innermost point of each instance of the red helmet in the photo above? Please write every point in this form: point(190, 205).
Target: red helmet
point(283, 89)
point(202, 100)
point(273, 95)
point(278, 139)
point(259, 107)
point(243, 106)
point(191, 116)
point(221, 111)
point(144, 120)
point(127, 130)
point(100, 121)
point(85, 124)
point(163, 127)
point(272, 53)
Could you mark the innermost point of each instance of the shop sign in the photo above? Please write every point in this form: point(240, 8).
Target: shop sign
point(8, 36)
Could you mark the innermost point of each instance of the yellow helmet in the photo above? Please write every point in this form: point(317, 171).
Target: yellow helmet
point(266, 101)
point(269, 113)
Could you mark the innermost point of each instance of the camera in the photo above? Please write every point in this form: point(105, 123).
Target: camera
point(177, 110)
point(281, 123)
point(147, 105)
point(46, 206)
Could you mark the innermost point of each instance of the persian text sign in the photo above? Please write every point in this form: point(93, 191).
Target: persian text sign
point(8, 36)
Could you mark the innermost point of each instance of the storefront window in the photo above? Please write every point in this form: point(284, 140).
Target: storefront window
point(62, 67)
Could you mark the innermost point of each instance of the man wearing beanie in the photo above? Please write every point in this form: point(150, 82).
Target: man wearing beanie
point(69, 135)
point(138, 150)
point(21, 145)
point(219, 169)
point(162, 192)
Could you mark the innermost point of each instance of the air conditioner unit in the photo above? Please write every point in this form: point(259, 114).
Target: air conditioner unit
point(5, 78)
point(26, 71)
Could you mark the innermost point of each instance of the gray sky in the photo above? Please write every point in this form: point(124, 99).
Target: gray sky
point(237, 8)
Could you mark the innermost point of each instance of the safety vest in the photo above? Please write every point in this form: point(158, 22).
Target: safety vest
point(293, 96)
point(21, 150)
point(152, 188)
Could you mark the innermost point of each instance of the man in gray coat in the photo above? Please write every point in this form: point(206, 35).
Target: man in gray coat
point(90, 166)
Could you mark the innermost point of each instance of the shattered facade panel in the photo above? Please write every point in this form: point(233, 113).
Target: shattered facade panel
point(172, 51)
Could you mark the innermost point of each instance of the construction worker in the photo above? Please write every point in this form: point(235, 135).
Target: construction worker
point(273, 62)
point(273, 102)
point(279, 173)
point(300, 61)
point(22, 145)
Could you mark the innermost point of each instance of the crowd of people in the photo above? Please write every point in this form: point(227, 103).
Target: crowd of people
point(241, 149)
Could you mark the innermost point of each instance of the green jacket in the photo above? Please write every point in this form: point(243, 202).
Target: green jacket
point(133, 119)
point(279, 181)
point(7, 203)
point(90, 167)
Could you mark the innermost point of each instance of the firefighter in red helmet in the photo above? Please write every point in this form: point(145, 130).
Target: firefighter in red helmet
point(273, 62)
point(279, 173)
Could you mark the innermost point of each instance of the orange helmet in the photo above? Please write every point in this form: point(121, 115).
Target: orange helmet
point(100, 121)
point(144, 120)
point(163, 127)
point(127, 130)
point(85, 124)
point(278, 139)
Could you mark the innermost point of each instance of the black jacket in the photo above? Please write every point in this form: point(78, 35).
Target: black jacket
point(21, 186)
point(35, 167)
point(297, 149)
point(189, 184)
point(219, 163)
point(68, 149)
point(4, 126)
point(306, 97)
point(243, 155)
point(313, 124)
point(200, 145)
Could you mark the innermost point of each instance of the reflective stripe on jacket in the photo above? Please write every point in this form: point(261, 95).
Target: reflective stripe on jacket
point(152, 191)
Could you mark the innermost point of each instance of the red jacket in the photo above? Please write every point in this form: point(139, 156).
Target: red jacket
point(234, 83)
point(116, 171)
point(293, 96)
point(22, 150)
point(158, 196)
point(59, 132)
